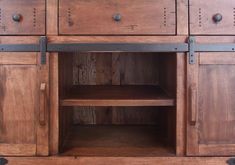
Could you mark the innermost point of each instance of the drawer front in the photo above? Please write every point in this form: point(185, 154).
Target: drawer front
point(212, 17)
point(120, 17)
point(22, 17)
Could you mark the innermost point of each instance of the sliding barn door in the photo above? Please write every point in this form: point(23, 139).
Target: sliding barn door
point(23, 105)
point(211, 105)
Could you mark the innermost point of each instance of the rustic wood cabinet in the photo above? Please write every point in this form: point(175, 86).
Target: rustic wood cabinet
point(117, 82)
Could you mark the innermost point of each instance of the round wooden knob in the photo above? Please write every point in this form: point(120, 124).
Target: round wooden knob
point(117, 17)
point(17, 17)
point(217, 18)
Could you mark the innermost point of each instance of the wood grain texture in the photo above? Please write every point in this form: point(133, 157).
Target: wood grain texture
point(18, 58)
point(52, 17)
point(182, 17)
point(118, 160)
point(96, 17)
point(32, 20)
point(54, 104)
point(192, 147)
point(117, 96)
point(43, 109)
point(213, 133)
point(118, 39)
point(18, 149)
point(117, 141)
point(217, 58)
point(181, 109)
point(18, 106)
point(201, 17)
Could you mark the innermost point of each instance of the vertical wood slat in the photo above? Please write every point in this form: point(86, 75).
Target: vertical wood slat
point(192, 146)
point(181, 105)
point(54, 104)
point(52, 17)
point(182, 17)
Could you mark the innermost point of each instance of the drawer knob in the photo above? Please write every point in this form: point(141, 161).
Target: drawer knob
point(117, 17)
point(217, 18)
point(17, 17)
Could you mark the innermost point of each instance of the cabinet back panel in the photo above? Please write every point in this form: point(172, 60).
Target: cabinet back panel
point(115, 69)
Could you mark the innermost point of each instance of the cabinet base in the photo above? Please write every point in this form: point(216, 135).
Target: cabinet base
point(118, 160)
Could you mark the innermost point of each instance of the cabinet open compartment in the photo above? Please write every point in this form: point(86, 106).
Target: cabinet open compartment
point(117, 104)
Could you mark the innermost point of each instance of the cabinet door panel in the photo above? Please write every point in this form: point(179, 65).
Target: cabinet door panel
point(19, 100)
point(214, 130)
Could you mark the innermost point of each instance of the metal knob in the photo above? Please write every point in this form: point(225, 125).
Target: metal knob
point(17, 17)
point(117, 17)
point(217, 18)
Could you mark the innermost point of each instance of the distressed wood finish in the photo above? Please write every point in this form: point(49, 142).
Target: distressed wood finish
point(201, 17)
point(20, 131)
point(118, 160)
point(32, 20)
point(213, 130)
point(153, 17)
point(52, 17)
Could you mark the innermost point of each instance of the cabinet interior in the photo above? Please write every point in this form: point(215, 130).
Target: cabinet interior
point(117, 104)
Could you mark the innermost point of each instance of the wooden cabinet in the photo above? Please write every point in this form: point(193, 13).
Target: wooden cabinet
point(213, 17)
point(211, 106)
point(22, 17)
point(23, 105)
point(124, 17)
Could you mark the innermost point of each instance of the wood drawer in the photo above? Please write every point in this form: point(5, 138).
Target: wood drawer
point(22, 17)
point(118, 17)
point(212, 17)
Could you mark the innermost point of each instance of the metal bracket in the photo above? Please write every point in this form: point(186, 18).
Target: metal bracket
point(191, 49)
point(43, 49)
point(3, 161)
point(231, 161)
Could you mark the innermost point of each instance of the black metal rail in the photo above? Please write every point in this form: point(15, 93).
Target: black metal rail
point(191, 47)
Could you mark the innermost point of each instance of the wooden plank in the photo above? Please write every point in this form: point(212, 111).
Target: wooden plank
point(217, 149)
point(43, 108)
point(117, 96)
point(117, 39)
point(217, 58)
point(20, 58)
point(181, 105)
point(118, 160)
point(19, 39)
point(93, 17)
point(182, 17)
point(54, 104)
point(52, 17)
point(18, 149)
point(192, 129)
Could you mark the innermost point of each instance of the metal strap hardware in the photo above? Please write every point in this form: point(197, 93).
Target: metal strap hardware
point(191, 48)
point(43, 49)
point(231, 161)
point(3, 161)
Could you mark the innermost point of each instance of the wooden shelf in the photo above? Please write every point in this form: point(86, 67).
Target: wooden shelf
point(131, 95)
point(116, 141)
